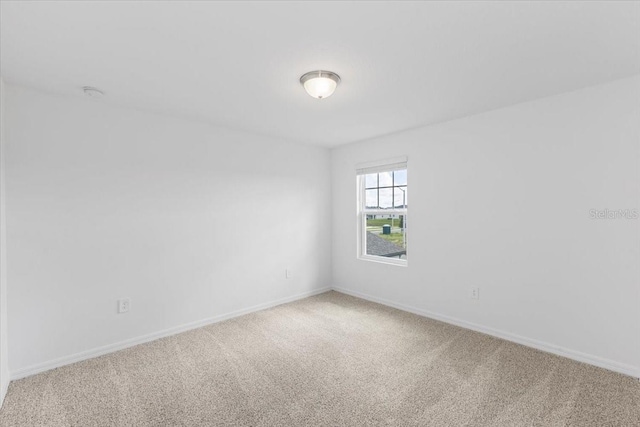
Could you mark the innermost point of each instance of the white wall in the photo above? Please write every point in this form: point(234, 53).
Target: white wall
point(4, 359)
point(193, 222)
point(501, 200)
point(188, 220)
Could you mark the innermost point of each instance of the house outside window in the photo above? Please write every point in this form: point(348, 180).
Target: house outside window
point(382, 211)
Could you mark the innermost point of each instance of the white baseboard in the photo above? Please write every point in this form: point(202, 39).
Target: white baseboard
point(4, 386)
point(100, 351)
point(539, 345)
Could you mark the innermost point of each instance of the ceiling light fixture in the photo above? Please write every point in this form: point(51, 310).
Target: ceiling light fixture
point(92, 92)
point(320, 84)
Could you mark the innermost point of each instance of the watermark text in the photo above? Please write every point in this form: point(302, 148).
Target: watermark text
point(614, 214)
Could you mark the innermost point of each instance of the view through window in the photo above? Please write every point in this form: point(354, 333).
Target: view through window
point(383, 213)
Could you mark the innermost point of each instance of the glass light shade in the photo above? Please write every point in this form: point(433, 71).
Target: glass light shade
point(320, 84)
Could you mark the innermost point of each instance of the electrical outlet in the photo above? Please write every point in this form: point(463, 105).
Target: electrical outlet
point(288, 273)
point(474, 293)
point(124, 305)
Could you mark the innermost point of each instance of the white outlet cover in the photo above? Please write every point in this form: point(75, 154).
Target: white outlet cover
point(474, 293)
point(124, 305)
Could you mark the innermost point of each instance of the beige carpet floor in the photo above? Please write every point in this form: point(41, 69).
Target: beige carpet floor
point(329, 360)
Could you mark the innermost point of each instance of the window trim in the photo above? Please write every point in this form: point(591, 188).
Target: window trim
point(362, 211)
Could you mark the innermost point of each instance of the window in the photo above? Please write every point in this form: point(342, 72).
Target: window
point(382, 212)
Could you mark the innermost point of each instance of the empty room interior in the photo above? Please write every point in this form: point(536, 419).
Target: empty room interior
point(206, 217)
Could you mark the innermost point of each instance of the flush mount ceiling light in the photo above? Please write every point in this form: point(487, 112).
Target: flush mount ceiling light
point(92, 92)
point(320, 84)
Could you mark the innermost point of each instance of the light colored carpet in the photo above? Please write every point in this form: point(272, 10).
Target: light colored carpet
point(329, 360)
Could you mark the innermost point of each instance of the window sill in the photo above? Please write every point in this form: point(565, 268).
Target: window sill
point(383, 260)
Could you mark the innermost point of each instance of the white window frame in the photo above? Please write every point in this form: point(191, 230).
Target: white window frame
point(362, 211)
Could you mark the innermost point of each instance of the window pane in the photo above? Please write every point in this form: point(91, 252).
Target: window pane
point(371, 180)
point(371, 200)
point(386, 179)
point(400, 197)
point(386, 199)
point(386, 236)
point(400, 177)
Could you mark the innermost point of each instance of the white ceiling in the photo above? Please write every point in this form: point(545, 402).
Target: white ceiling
point(237, 64)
